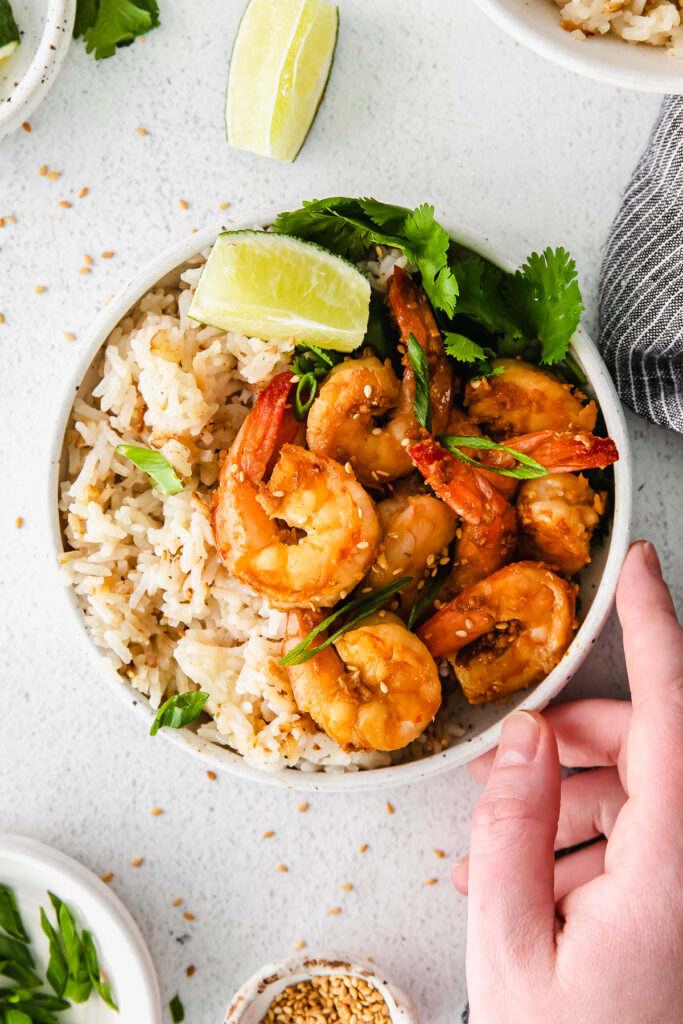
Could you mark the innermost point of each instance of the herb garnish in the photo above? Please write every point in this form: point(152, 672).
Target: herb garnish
point(418, 361)
point(106, 24)
point(99, 982)
point(308, 385)
point(179, 710)
point(155, 465)
point(177, 1010)
point(428, 595)
point(10, 918)
point(528, 470)
point(357, 609)
point(311, 359)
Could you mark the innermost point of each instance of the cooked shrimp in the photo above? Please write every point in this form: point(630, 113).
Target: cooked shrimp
point(460, 424)
point(523, 399)
point(308, 493)
point(559, 451)
point(416, 530)
point(377, 688)
point(557, 517)
point(342, 420)
point(506, 632)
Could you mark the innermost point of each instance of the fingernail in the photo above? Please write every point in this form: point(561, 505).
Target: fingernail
point(461, 863)
point(652, 558)
point(518, 740)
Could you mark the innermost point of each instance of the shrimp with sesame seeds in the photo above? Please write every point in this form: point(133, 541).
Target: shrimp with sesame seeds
point(306, 536)
point(557, 516)
point(416, 532)
point(505, 632)
point(376, 688)
point(521, 399)
point(343, 420)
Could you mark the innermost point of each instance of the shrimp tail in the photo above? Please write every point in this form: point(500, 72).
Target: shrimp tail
point(561, 451)
point(461, 486)
point(269, 425)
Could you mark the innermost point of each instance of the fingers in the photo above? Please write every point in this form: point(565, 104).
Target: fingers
point(578, 868)
point(511, 864)
point(589, 733)
point(589, 806)
point(653, 646)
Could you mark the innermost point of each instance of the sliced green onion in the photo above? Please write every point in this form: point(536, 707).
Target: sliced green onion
point(179, 710)
point(99, 983)
point(177, 1010)
point(418, 361)
point(57, 972)
point(10, 918)
point(429, 594)
point(528, 470)
point(362, 607)
point(308, 383)
point(155, 465)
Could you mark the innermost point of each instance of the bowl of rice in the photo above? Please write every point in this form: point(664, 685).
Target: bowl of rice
point(636, 44)
point(152, 603)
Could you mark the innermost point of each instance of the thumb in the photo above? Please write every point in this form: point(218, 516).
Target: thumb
point(511, 866)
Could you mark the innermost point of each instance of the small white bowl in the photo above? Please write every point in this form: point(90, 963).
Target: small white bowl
point(45, 28)
point(608, 58)
point(482, 723)
point(250, 1004)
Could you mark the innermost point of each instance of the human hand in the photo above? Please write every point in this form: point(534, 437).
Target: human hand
point(596, 937)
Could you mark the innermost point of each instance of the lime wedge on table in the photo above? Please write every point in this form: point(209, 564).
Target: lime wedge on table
point(276, 287)
point(9, 33)
point(280, 64)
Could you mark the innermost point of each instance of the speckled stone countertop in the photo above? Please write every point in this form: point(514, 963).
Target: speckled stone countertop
point(427, 101)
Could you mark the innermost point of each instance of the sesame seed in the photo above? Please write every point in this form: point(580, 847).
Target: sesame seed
point(141, 131)
point(183, 204)
point(108, 299)
point(2, 222)
point(440, 854)
point(11, 220)
point(83, 193)
point(19, 522)
point(107, 877)
point(189, 971)
point(68, 336)
point(343, 593)
point(458, 533)
point(155, 811)
point(302, 808)
point(65, 204)
point(87, 259)
point(26, 126)
point(376, 431)
point(54, 175)
point(461, 632)
point(444, 561)
point(346, 887)
point(107, 255)
point(431, 881)
point(468, 623)
point(2, 318)
point(211, 775)
point(268, 833)
point(39, 289)
point(283, 868)
point(367, 391)
point(188, 916)
point(43, 171)
point(420, 584)
point(334, 910)
point(405, 442)
point(363, 848)
point(300, 945)
point(430, 559)
point(348, 467)
point(177, 901)
point(223, 206)
point(384, 688)
point(136, 862)
point(363, 544)
point(382, 614)
point(390, 808)
point(84, 270)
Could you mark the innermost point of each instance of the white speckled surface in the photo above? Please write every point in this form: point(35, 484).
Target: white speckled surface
point(419, 107)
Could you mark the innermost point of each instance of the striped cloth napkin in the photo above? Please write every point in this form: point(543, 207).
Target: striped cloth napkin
point(641, 281)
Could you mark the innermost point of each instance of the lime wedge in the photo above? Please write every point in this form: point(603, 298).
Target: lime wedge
point(280, 64)
point(277, 288)
point(9, 33)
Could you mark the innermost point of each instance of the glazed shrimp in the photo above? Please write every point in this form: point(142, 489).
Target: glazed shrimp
point(308, 493)
point(523, 399)
point(487, 538)
point(506, 632)
point(460, 424)
point(377, 688)
point(557, 516)
point(416, 532)
point(342, 420)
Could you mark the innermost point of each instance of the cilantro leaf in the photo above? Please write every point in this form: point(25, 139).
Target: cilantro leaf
point(329, 222)
point(463, 349)
point(86, 16)
point(426, 246)
point(480, 295)
point(385, 215)
point(118, 23)
point(545, 299)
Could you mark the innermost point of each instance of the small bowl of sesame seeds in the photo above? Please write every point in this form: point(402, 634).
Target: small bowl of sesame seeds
point(329, 988)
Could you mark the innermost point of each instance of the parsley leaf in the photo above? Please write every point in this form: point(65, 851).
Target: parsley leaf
point(545, 299)
point(106, 24)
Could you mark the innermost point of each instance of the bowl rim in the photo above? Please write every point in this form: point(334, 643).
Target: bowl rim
point(40, 75)
point(328, 962)
point(564, 50)
point(222, 758)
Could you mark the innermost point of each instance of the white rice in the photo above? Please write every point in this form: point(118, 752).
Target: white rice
point(155, 595)
point(657, 22)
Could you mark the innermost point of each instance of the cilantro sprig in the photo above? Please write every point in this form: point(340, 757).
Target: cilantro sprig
point(108, 24)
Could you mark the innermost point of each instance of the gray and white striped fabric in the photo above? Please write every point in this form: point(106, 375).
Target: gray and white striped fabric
point(641, 281)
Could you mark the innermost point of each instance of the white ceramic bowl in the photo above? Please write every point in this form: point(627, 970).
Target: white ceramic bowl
point(250, 1003)
point(608, 58)
point(45, 28)
point(482, 723)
